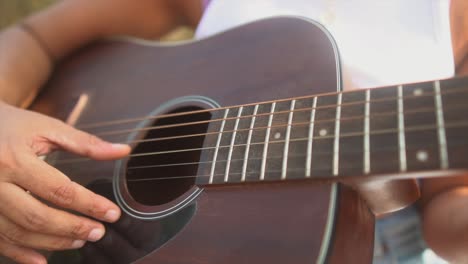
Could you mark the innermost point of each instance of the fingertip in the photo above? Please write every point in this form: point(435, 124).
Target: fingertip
point(112, 215)
point(40, 259)
point(123, 148)
point(109, 151)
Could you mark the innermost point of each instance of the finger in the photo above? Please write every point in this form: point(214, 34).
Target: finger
point(85, 144)
point(20, 254)
point(16, 234)
point(53, 186)
point(26, 211)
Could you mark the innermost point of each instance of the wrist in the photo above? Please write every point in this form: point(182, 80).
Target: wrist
point(24, 67)
point(25, 27)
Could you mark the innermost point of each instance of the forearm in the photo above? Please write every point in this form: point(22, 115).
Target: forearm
point(459, 28)
point(25, 66)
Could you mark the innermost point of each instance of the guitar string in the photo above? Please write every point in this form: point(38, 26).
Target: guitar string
point(332, 106)
point(319, 153)
point(123, 121)
point(376, 132)
point(296, 124)
point(132, 130)
point(221, 175)
point(301, 170)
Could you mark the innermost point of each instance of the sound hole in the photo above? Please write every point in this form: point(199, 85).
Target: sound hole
point(163, 169)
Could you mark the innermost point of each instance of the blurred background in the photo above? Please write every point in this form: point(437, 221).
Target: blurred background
point(12, 10)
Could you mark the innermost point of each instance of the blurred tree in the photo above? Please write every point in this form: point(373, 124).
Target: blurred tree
point(12, 10)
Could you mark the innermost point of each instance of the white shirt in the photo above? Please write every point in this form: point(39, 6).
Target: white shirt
point(380, 42)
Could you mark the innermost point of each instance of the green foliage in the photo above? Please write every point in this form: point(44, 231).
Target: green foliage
point(12, 10)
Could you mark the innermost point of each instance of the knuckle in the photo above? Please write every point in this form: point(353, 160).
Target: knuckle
point(93, 208)
point(58, 244)
point(63, 195)
point(79, 230)
point(15, 256)
point(93, 140)
point(35, 220)
point(14, 234)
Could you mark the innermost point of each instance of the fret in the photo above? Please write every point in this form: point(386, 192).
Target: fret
point(324, 127)
point(218, 142)
point(267, 139)
point(384, 156)
point(336, 144)
point(367, 164)
point(284, 166)
point(310, 138)
point(454, 109)
point(443, 154)
point(297, 146)
point(231, 145)
point(278, 141)
point(401, 130)
point(256, 147)
point(249, 140)
point(419, 143)
point(351, 133)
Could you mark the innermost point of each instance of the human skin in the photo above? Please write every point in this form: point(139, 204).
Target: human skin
point(24, 135)
point(26, 224)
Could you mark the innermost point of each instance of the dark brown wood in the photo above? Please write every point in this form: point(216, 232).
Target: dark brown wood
point(261, 223)
point(399, 140)
point(254, 229)
point(346, 239)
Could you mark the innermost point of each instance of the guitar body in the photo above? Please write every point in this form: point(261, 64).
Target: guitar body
point(274, 222)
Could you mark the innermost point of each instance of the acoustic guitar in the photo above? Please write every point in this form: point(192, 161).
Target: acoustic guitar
point(239, 142)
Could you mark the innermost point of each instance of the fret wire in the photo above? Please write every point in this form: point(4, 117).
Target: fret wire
point(247, 147)
point(444, 161)
point(401, 130)
point(336, 144)
point(218, 142)
point(366, 134)
point(310, 138)
point(231, 146)
point(267, 139)
point(286, 143)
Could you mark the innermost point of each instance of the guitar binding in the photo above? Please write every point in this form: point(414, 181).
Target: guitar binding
point(159, 177)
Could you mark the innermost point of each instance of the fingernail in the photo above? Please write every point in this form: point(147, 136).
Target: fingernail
point(78, 243)
point(96, 234)
point(40, 260)
point(119, 146)
point(111, 215)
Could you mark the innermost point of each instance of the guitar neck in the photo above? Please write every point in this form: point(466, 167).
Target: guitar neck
point(391, 130)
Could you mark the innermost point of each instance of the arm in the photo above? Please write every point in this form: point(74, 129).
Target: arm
point(24, 66)
point(26, 224)
point(459, 25)
point(444, 214)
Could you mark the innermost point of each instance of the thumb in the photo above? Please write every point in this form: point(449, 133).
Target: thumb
point(85, 144)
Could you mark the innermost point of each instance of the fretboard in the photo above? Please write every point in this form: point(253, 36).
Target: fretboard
point(390, 130)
